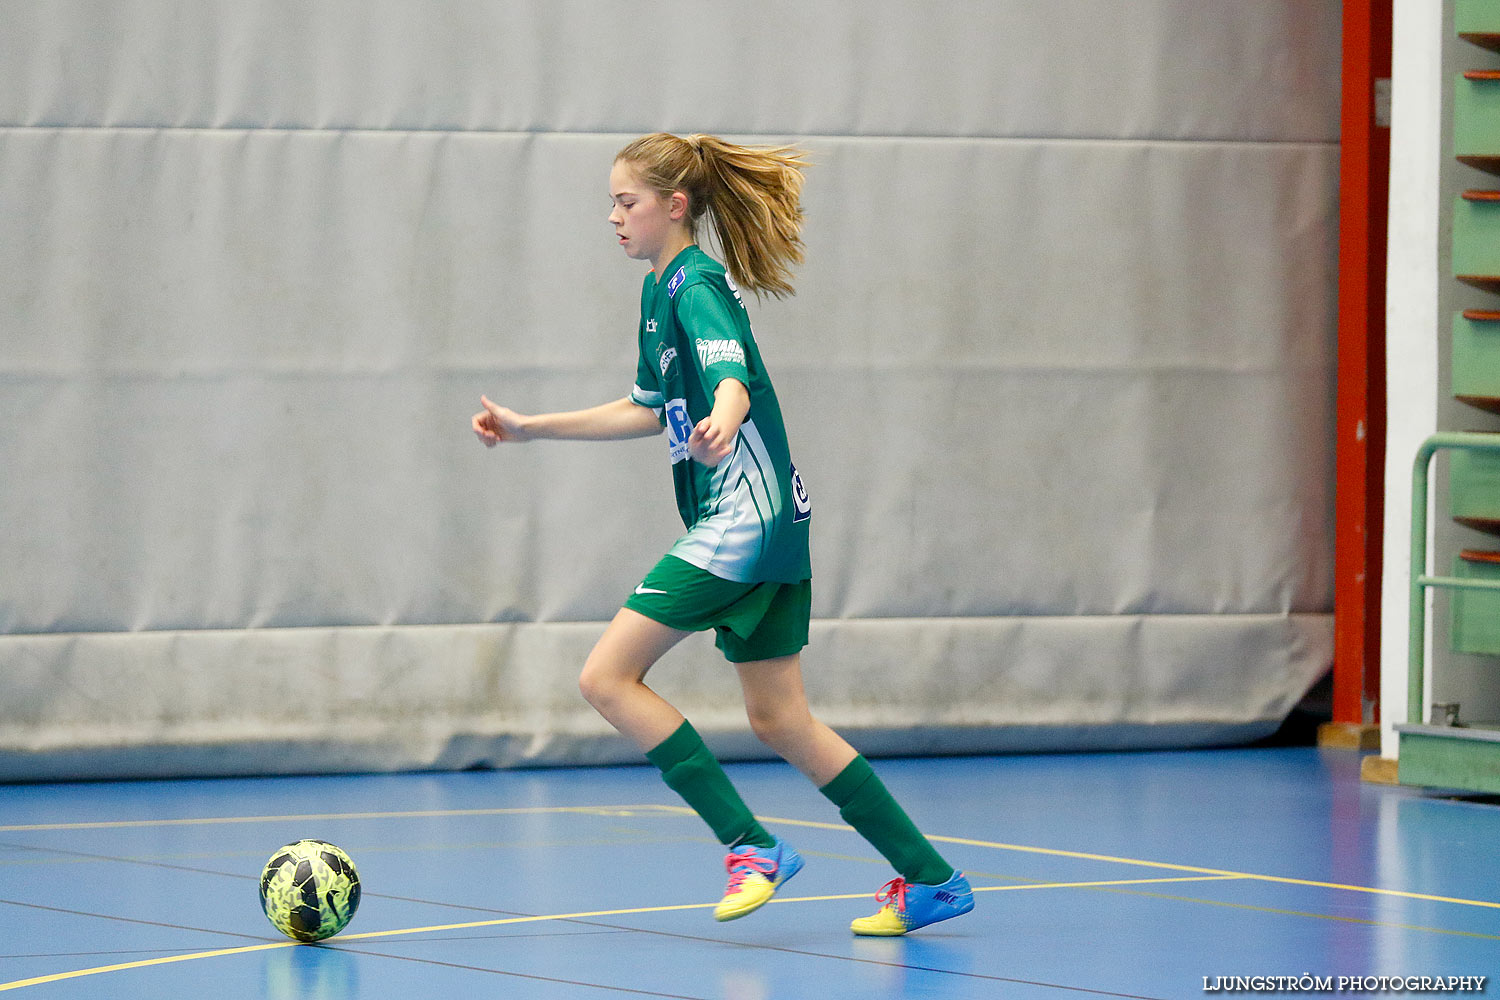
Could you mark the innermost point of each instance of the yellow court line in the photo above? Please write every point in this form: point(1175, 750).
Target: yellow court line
point(503, 921)
point(146, 963)
point(1107, 882)
point(129, 824)
point(58, 977)
point(622, 810)
point(1165, 865)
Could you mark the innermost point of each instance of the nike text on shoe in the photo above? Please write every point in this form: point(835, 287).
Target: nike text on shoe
point(755, 873)
point(909, 905)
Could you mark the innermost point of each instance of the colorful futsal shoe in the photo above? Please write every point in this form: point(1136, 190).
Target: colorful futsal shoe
point(755, 873)
point(909, 905)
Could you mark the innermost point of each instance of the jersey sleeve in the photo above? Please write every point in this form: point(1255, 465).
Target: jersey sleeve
point(713, 333)
point(647, 388)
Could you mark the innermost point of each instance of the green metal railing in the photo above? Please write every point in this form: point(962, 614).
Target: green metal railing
point(1420, 580)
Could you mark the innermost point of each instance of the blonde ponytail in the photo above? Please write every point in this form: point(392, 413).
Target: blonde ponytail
point(752, 194)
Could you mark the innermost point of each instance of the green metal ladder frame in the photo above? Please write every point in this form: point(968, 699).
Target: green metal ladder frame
point(1420, 579)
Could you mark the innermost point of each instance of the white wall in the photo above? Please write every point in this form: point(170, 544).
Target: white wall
point(1412, 275)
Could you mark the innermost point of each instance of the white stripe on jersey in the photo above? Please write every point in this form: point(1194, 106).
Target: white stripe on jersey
point(745, 499)
point(641, 397)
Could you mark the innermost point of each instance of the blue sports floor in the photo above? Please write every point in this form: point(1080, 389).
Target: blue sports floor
point(1140, 875)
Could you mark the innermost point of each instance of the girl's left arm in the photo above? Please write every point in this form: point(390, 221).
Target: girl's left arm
point(713, 438)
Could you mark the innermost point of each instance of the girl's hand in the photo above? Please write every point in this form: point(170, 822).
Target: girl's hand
point(711, 441)
point(496, 423)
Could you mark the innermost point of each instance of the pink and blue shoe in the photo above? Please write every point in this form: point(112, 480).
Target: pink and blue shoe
point(755, 873)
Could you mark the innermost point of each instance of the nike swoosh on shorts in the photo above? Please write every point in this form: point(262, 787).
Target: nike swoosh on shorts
point(647, 590)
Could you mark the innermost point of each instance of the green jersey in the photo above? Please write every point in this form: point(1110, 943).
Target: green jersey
point(747, 517)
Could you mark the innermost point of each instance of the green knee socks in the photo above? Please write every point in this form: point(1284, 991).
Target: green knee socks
point(867, 806)
point(690, 770)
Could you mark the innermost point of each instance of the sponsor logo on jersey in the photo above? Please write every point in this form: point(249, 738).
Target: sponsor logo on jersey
point(801, 502)
point(714, 351)
point(667, 357)
point(676, 282)
point(650, 326)
point(679, 428)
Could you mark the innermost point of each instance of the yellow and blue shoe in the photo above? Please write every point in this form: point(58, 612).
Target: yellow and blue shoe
point(909, 905)
point(755, 873)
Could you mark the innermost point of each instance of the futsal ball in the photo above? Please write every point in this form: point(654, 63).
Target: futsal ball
point(309, 890)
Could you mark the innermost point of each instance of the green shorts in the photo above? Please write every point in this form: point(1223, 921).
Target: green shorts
point(752, 621)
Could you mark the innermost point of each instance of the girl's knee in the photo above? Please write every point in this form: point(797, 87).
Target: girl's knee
point(781, 728)
point(595, 682)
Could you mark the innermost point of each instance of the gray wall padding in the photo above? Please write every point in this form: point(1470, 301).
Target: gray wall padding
point(1059, 374)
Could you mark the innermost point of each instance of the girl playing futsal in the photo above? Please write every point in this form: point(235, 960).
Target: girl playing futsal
point(742, 569)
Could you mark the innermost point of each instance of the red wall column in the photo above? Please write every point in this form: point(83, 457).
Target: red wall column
point(1364, 183)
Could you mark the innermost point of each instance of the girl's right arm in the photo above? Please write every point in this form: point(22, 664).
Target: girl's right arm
point(607, 422)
